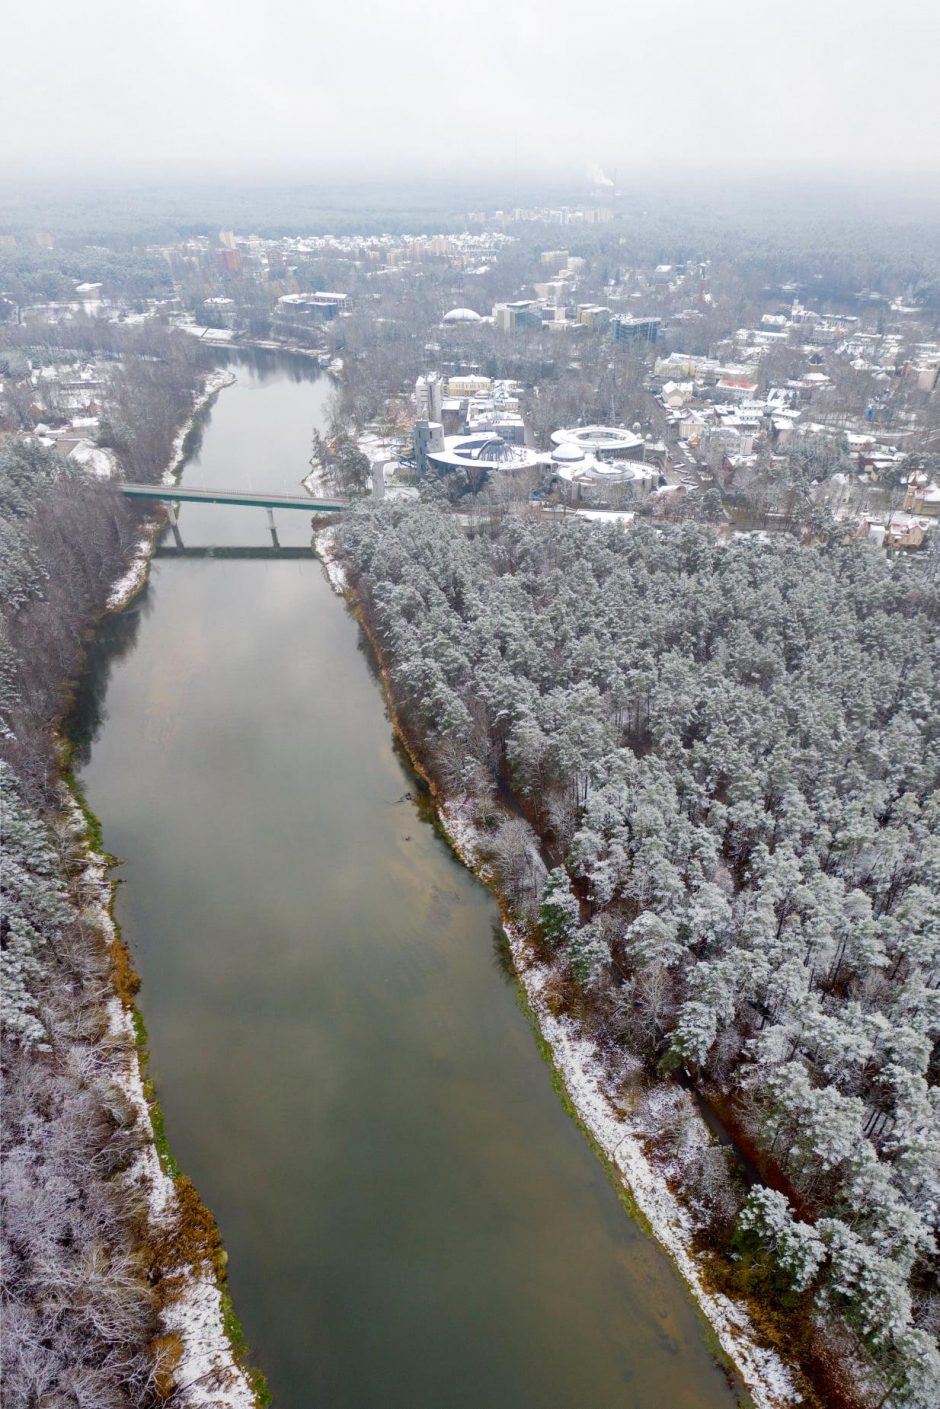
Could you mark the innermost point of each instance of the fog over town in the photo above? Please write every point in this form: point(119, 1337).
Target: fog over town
point(741, 86)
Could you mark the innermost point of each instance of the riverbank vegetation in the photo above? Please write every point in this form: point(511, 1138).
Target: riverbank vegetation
point(97, 1247)
point(64, 538)
point(80, 1312)
point(729, 759)
point(148, 376)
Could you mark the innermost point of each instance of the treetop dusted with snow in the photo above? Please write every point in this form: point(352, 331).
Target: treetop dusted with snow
point(732, 757)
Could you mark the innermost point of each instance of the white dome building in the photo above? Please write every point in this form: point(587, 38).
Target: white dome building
point(583, 476)
point(481, 455)
point(462, 315)
point(567, 454)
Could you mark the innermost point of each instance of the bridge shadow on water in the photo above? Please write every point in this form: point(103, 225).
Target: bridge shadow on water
point(169, 550)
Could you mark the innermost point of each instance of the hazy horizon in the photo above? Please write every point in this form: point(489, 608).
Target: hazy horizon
point(169, 91)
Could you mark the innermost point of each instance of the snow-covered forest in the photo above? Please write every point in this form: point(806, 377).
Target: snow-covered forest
point(85, 1270)
point(63, 539)
point(79, 1311)
point(731, 758)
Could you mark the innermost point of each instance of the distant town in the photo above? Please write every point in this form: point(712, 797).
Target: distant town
point(568, 378)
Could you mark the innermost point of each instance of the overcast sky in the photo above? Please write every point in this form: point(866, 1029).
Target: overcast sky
point(447, 86)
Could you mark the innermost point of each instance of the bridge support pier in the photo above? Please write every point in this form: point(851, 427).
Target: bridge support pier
point(273, 530)
point(174, 524)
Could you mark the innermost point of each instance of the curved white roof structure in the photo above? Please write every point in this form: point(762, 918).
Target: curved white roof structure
point(484, 451)
point(612, 441)
point(604, 474)
point(462, 315)
point(567, 454)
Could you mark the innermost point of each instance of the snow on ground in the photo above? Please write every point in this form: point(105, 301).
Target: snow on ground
point(335, 571)
point(131, 581)
point(576, 1059)
point(94, 459)
point(207, 1376)
point(214, 383)
point(623, 517)
point(317, 480)
point(207, 1373)
point(195, 330)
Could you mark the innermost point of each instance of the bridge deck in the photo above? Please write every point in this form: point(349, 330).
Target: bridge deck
point(186, 494)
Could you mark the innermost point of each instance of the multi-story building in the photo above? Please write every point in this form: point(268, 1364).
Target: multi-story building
point(922, 496)
point(468, 385)
point(323, 305)
point(429, 397)
point(592, 315)
point(428, 440)
point(626, 329)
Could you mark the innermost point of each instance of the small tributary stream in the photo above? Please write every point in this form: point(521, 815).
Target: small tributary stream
point(412, 1219)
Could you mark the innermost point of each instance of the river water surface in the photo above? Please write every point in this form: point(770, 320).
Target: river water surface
point(412, 1220)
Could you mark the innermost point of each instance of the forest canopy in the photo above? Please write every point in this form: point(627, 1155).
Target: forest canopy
point(731, 755)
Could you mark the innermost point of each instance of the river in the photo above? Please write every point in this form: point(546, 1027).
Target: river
point(346, 1070)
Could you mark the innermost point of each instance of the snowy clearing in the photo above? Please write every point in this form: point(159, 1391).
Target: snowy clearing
point(94, 460)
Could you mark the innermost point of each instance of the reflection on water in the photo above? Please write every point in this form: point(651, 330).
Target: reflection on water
point(412, 1220)
point(502, 953)
point(116, 637)
point(169, 550)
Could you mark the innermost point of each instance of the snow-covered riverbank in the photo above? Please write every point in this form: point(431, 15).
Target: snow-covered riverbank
point(135, 575)
point(206, 1371)
point(335, 571)
point(621, 1136)
point(618, 1133)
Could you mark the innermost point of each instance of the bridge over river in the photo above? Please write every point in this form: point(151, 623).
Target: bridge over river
point(173, 494)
